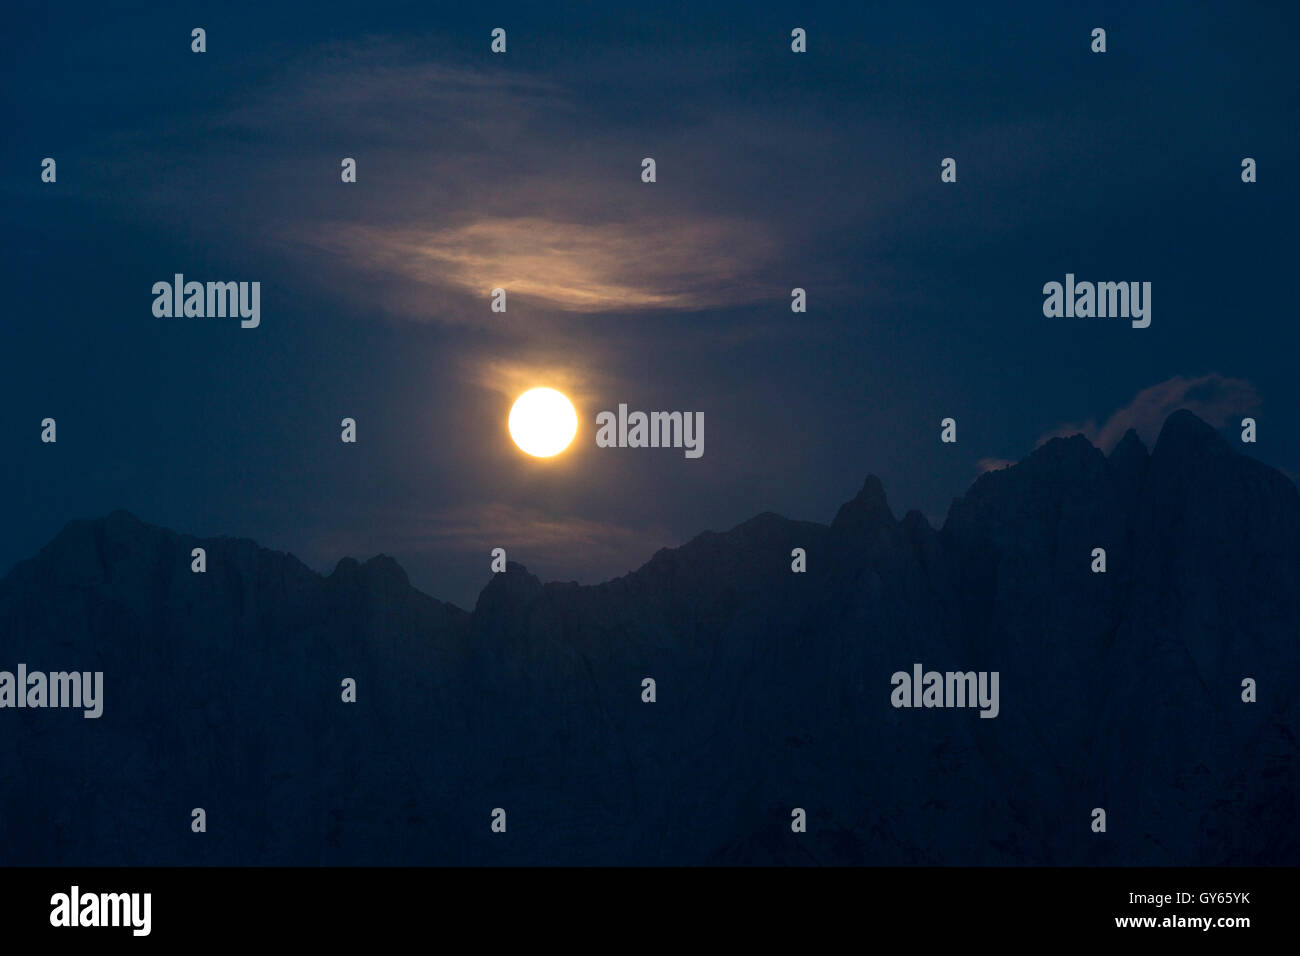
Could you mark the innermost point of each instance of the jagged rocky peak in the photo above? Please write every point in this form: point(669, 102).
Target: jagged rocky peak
point(346, 569)
point(1124, 684)
point(117, 527)
point(1186, 434)
point(383, 569)
point(91, 551)
point(916, 524)
point(1062, 454)
point(868, 507)
point(379, 572)
point(1129, 461)
point(1129, 449)
point(512, 587)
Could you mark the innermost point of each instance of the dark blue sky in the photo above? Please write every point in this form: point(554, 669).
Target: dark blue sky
point(775, 170)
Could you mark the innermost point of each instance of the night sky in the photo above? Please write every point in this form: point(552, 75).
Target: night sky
point(775, 170)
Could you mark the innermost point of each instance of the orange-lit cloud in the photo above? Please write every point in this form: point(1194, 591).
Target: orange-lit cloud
point(1212, 397)
point(576, 267)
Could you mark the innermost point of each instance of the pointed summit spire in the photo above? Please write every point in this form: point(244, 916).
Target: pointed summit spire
point(1130, 447)
point(1186, 433)
point(1129, 462)
point(867, 508)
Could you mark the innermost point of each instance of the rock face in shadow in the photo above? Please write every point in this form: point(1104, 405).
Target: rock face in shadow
point(1119, 690)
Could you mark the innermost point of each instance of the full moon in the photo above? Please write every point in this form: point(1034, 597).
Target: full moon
point(543, 422)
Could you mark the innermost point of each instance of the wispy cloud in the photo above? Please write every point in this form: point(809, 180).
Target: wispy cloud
point(1213, 397)
point(469, 178)
point(654, 263)
point(382, 92)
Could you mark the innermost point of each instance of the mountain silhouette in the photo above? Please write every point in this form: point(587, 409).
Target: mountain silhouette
point(1119, 690)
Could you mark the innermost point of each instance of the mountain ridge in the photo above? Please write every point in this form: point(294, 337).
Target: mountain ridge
point(1120, 690)
point(868, 507)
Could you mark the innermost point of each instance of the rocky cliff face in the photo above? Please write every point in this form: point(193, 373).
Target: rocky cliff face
point(1119, 690)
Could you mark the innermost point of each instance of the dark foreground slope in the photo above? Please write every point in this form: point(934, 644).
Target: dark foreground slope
point(1119, 690)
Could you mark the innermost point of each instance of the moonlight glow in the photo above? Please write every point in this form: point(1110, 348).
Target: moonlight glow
point(543, 422)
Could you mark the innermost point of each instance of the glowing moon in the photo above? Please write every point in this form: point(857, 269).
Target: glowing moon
point(543, 422)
